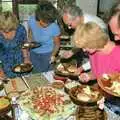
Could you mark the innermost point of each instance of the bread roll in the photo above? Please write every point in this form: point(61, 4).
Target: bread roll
point(18, 69)
point(83, 97)
point(72, 69)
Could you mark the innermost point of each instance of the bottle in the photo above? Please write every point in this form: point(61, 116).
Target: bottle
point(15, 108)
point(19, 113)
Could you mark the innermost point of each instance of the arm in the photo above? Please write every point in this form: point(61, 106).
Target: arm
point(26, 55)
point(29, 34)
point(86, 77)
point(56, 47)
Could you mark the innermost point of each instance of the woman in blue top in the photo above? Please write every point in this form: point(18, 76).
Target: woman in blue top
point(12, 35)
point(44, 30)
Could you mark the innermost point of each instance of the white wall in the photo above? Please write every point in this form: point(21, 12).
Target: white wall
point(105, 5)
point(89, 6)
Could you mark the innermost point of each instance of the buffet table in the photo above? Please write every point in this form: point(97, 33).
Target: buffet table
point(42, 79)
point(37, 80)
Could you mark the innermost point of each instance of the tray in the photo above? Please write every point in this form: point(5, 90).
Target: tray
point(105, 84)
point(67, 73)
point(32, 45)
point(23, 68)
point(73, 95)
point(20, 87)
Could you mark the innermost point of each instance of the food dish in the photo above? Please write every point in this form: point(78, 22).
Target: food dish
point(60, 78)
point(110, 86)
point(43, 103)
point(30, 45)
point(66, 70)
point(4, 104)
point(70, 85)
point(84, 95)
point(58, 84)
point(72, 69)
point(23, 68)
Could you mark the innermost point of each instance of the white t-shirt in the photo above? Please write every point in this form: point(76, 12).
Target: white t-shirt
point(97, 20)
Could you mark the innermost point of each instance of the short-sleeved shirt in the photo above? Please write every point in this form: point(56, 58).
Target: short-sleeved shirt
point(10, 51)
point(44, 36)
point(95, 19)
point(105, 63)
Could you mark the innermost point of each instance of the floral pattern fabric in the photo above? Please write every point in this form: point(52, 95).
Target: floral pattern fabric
point(10, 51)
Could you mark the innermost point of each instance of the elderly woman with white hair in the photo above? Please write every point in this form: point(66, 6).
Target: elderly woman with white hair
point(12, 35)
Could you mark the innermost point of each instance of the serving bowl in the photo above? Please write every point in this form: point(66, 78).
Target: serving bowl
point(92, 97)
point(58, 84)
point(66, 70)
point(24, 67)
point(27, 45)
point(110, 85)
point(5, 104)
point(71, 84)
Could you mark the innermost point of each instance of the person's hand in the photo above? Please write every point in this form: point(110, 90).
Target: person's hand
point(67, 54)
point(84, 77)
point(101, 103)
point(27, 60)
point(79, 71)
point(52, 59)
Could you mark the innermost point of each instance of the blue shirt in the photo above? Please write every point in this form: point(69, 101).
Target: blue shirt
point(44, 36)
point(10, 51)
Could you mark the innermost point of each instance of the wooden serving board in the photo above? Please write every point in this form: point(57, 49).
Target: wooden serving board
point(20, 86)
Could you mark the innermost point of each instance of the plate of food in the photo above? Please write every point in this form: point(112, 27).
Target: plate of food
point(58, 84)
point(84, 94)
point(66, 69)
point(30, 45)
point(5, 104)
point(110, 84)
point(24, 67)
point(43, 103)
point(70, 85)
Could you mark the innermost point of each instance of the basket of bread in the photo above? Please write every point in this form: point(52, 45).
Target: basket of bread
point(84, 95)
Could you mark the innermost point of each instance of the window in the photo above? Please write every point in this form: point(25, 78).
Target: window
point(6, 5)
point(25, 10)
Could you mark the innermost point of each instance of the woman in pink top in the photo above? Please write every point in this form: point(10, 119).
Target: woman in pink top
point(103, 53)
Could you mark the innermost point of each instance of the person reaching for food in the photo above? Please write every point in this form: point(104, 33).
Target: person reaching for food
point(103, 55)
point(43, 29)
point(12, 36)
point(72, 16)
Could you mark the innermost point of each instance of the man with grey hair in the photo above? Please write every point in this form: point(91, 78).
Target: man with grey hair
point(72, 16)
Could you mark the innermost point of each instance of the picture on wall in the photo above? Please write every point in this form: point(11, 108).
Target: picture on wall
point(26, 10)
point(6, 5)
